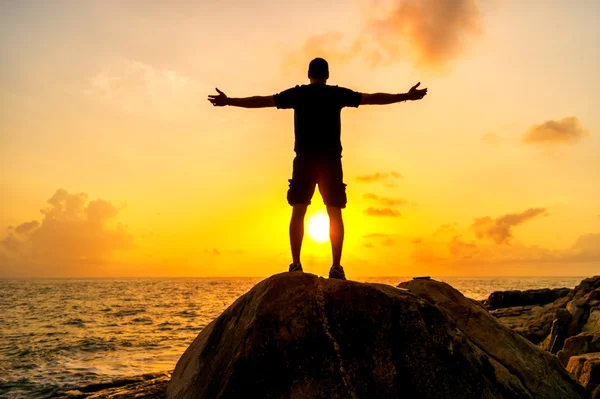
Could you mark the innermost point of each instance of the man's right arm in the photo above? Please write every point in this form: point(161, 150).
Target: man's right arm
point(386, 98)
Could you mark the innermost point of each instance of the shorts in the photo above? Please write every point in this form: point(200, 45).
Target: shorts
point(326, 172)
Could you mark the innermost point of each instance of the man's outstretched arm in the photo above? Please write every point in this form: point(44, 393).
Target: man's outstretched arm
point(385, 98)
point(247, 102)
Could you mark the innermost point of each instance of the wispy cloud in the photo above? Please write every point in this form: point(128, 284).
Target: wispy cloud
point(499, 230)
point(428, 33)
point(388, 212)
point(490, 138)
point(387, 178)
point(563, 131)
point(137, 88)
point(385, 201)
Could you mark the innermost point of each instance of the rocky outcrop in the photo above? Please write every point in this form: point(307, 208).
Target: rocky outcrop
point(537, 370)
point(579, 345)
point(146, 386)
point(586, 368)
point(569, 327)
point(295, 335)
point(507, 299)
point(551, 324)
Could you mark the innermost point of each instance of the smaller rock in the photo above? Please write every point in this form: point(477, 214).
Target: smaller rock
point(574, 346)
point(594, 295)
point(578, 308)
point(586, 285)
point(506, 299)
point(592, 324)
point(586, 368)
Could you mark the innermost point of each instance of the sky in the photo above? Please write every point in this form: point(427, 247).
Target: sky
point(114, 164)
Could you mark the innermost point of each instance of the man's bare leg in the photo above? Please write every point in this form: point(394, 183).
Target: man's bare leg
point(297, 231)
point(336, 234)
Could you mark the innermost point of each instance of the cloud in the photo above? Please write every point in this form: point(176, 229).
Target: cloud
point(388, 242)
point(499, 230)
point(382, 212)
point(386, 201)
point(445, 229)
point(27, 227)
point(564, 131)
point(490, 138)
point(385, 178)
point(461, 249)
point(384, 240)
point(376, 235)
point(586, 248)
point(138, 88)
point(429, 33)
point(73, 233)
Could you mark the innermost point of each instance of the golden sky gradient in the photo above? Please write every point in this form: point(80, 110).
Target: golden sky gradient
point(114, 164)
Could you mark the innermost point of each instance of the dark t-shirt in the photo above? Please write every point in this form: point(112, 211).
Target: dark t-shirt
point(317, 122)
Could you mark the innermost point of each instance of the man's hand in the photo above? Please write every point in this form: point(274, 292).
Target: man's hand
point(416, 94)
point(220, 100)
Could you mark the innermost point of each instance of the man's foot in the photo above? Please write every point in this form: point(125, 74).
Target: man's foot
point(337, 272)
point(296, 267)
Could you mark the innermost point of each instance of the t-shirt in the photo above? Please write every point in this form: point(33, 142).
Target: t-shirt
point(317, 123)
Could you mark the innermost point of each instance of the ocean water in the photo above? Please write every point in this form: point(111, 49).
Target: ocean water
point(60, 333)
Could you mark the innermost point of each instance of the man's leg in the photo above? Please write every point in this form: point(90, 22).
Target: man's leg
point(297, 231)
point(336, 234)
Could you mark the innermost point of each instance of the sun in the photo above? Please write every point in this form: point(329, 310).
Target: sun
point(318, 227)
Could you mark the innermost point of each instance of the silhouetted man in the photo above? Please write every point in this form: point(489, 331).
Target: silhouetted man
point(317, 126)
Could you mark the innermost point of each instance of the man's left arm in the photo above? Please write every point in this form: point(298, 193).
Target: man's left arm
point(221, 100)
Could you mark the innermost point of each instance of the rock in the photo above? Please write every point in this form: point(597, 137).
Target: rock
point(533, 322)
point(578, 345)
point(579, 310)
point(586, 368)
point(539, 371)
point(550, 324)
point(146, 386)
point(587, 285)
point(592, 324)
point(295, 335)
point(507, 299)
point(594, 295)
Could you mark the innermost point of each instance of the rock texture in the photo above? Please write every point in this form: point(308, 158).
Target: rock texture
point(295, 335)
point(551, 324)
point(506, 299)
point(146, 386)
point(537, 370)
point(579, 345)
point(586, 368)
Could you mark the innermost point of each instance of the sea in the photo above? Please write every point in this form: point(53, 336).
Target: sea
point(64, 333)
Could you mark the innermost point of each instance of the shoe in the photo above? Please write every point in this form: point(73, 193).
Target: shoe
point(337, 272)
point(296, 267)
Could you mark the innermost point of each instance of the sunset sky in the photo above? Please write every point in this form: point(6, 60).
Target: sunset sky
point(113, 163)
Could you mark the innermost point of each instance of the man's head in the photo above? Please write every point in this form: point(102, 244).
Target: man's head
point(318, 71)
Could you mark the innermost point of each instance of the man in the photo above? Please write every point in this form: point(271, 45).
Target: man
point(317, 107)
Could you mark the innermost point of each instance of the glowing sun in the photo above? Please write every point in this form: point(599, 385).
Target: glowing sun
point(318, 227)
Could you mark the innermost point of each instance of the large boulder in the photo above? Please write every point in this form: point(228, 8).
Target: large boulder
point(586, 368)
point(507, 299)
point(295, 335)
point(577, 345)
point(540, 372)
